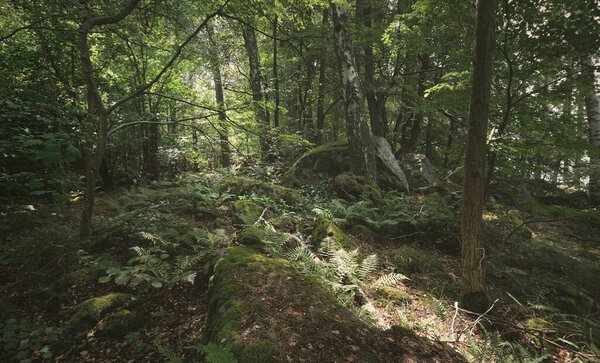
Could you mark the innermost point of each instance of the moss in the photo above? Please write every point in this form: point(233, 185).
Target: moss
point(253, 236)
point(325, 228)
point(515, 218)
point(403, 330)
point(290, 174)
point(410, 260)
point(572, 300)
point(121, 323)
point(246, 212)
point(90, 311)
point(241, 185)
point(288, 195)
point(226, 310)
point(355, 186)
point(392, 293)
point(537, 323)
point(363, 231)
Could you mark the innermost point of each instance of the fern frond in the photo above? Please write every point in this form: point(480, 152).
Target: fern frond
point(390, 279)
point(367, 266)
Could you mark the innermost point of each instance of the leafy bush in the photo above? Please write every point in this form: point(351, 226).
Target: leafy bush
point(23, 340)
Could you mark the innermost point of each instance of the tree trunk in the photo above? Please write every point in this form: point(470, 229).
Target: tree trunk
point(592, 108)
point(153, 164)
point(107, 180)
point(412, 141)
point(225, 152)
point(474, 296)
point(319, 137)
point(275, 76)
point(364, 17)
point(361, 151)
point(256, 87)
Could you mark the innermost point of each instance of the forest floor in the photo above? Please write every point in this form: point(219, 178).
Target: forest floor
point(145, 264)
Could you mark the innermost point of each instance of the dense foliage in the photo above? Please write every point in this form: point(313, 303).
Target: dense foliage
point(141, 138)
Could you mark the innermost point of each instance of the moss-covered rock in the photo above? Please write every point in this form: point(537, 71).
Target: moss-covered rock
point(246, 212)
point(350, 186)
point(248, 287)
point(324, 228)
point(121, 323)
point(86, 314)
point(364, 232)
point(572, 300)
point(243, 185)
point(516, 219)
point(290, 196)
point(394, 294)
point(411, 260)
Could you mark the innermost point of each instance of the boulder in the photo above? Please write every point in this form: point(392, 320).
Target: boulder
point(325, 230)
point(420, 171)
point(331, 160)
point(89, 312)
point(387, 161)
point(265, 310)
point(353, 187)
point(121, 323)
point(246, 212)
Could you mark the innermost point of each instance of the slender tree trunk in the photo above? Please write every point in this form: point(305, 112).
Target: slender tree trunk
point(417, 126)
point(107, 180)
point(321, 89)
point(592, 108)
point(220, 98)
point(474, 296)
point(275, 76)
point(364, 16)
point(257, 91)
point(153, 163)
point(361, 151)
point(225, 152)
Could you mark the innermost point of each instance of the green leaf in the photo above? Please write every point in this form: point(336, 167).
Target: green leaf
point(104, 279)
point(156, 283)
point(122, 279)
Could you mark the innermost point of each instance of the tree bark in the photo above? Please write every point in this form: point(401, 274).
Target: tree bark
point(358, 134)
point(256, 88)
point(319, 137)
point(97, 114)
point(225, 152)
point(275, 76)
point(592, 108)
point(474, 296)
point(364, 17)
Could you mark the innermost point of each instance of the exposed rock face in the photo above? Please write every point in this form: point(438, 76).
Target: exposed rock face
point(420, 171)
point(330, 160)
point(388, 162)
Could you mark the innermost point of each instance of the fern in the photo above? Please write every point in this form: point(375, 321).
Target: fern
point(215, 354)
point(367, 267)
point(390, 279)
point(168, 355)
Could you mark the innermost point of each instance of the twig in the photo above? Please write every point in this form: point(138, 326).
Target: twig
point(454, 317)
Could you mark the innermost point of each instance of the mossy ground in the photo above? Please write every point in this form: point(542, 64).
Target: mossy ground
point(550, 275)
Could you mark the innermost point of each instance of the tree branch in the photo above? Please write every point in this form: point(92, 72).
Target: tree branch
point(170, 63)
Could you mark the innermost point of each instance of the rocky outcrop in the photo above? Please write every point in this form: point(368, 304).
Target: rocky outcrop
point(264, 310)
point(331, 160)
point(419, 170)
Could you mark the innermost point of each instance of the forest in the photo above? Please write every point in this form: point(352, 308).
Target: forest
point(300, 181)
